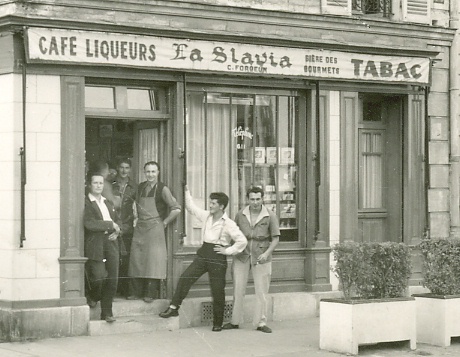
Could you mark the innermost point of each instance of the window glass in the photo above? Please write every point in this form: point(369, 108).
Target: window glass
point(236, 141)
point(287, 168)
point(371, 169)
point(100, 97)
point(141, 99)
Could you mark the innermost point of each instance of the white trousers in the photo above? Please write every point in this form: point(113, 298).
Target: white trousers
point(261, 274)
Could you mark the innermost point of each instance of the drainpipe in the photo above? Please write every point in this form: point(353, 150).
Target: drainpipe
point(426, 155)
point(22, 150)
point(454, 93)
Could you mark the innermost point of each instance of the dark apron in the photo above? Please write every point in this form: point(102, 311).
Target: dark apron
point(148, 250)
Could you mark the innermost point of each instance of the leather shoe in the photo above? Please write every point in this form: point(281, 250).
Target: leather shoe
point(110, 319)
point(230, 326)
point(265, 329)
point(217, 328)
point(148, 300)
point(169, 312)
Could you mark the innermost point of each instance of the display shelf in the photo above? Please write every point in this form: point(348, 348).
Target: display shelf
point(278, 180)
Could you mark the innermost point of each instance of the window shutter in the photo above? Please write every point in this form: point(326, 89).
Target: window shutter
point(336, 7)
point(416, 11)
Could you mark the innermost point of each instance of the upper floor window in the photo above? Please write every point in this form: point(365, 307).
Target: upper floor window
point(418, 11)
point(382, 7)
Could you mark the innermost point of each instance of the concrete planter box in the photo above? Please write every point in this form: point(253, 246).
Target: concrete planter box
point(345, 324)
point(437, 318)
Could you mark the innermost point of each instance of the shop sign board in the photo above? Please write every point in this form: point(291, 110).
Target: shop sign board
point(104, 48)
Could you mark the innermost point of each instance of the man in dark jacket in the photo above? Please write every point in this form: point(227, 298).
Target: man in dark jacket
point(124, 188)
point(101, 247)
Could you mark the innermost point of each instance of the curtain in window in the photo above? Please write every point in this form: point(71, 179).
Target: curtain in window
point(372, 163)
point(148, 144)
point(210, 155)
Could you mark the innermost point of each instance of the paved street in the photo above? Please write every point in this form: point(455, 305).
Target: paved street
point(289, 339)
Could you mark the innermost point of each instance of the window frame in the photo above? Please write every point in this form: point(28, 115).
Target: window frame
point(121, 103)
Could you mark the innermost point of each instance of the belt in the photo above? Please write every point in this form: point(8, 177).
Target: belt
point(260, 239)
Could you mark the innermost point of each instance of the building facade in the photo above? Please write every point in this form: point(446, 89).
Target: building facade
point(345, 112)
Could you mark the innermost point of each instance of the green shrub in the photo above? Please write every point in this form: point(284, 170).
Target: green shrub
point(441, 265)
point(372, 270)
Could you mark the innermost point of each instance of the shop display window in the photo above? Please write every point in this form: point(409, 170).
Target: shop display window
point(236, 141)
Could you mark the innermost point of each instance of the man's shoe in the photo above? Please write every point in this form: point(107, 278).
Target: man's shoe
point(169, 312)
point(148, 300)
point(230, 326)
point(109, 319)
point(91, 303)
point(217, 328)
point(265, 329)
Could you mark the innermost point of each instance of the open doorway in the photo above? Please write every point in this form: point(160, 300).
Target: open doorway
point(119, 142)
point(110, 140)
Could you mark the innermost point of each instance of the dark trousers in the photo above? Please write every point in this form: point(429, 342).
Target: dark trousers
point(215, 265)
point(145, 287)
point(123, 278)
point(102, 278)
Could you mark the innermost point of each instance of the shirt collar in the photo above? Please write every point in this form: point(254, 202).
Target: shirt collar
point(118, 181)
point(224, 217)
point(94, 199)
point(263, 213)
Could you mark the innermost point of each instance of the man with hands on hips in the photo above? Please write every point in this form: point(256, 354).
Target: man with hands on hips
point(217, 233)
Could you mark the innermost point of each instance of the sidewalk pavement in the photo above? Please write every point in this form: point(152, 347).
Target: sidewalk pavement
point(290, 338)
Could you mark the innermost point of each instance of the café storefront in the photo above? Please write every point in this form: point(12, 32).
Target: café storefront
point(334, 138)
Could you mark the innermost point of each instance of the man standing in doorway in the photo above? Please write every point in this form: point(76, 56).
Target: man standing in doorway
point(217, 232)
point(101, 247)
point(125, 188)
point(261, 228)
point(156, 207)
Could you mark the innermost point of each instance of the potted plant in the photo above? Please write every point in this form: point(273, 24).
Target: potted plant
point(438, 312)
point(375, 307)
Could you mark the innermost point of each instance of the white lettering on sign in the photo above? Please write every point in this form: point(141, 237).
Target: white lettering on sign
point(114, 49)
point(239, 132)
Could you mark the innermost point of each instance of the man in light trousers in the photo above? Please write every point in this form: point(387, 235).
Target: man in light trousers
point(261, 228)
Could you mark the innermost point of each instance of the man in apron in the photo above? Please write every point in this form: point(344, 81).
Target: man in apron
point(155, 208)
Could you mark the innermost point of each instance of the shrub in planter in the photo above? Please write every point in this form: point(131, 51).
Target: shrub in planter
point(441, 265)
point(374, 278)
point(438, 313)
point(372, 270)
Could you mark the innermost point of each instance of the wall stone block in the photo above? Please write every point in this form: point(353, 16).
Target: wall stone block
point(438, 153)
point(438, 200)
point(439, 176)
point(439, 224)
